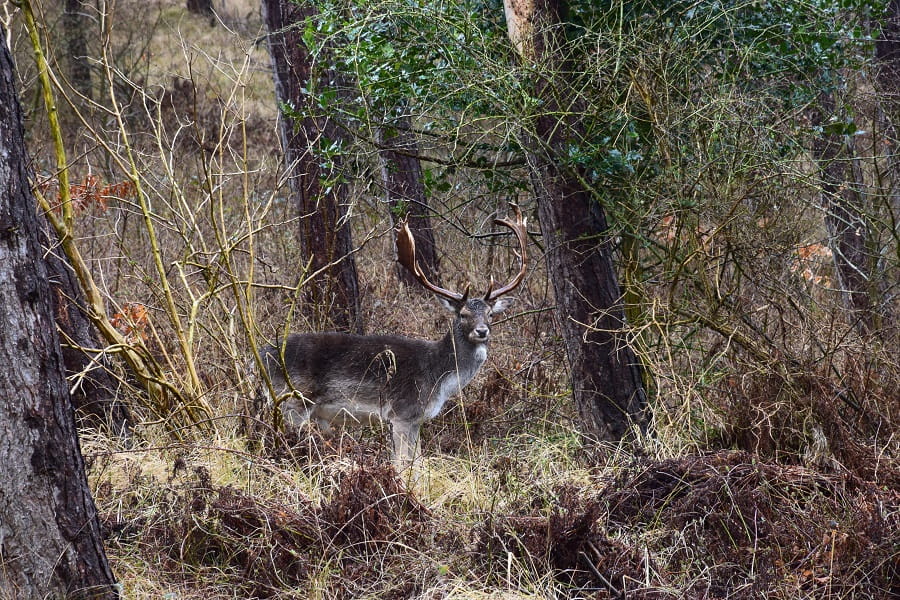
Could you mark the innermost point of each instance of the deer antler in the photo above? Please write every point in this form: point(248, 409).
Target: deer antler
point(406, 256)
point(519, 228)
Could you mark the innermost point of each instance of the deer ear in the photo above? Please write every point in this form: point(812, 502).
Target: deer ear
point(450, 305)
point(502, 304)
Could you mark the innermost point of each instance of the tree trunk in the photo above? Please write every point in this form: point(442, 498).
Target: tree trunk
point(841, 200)
point(51, 546)
point(200, 7)
point(75, 31)
point(325, 237)
point(887, 50)
point(93, 388)
point(887, 84)
point(605, 372)
point(401, 175)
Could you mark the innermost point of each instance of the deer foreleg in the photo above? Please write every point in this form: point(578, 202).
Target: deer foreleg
point(406, 443)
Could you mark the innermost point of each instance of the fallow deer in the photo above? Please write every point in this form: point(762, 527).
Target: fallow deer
point(333, 378)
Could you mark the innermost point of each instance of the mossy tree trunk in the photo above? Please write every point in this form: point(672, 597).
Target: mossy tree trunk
point(605, 373)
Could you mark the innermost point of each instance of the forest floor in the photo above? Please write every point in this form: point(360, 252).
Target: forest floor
point(522, 516)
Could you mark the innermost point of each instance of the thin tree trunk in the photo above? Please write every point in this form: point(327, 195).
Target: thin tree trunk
point(842, 202)
point(51, 545)
point(401, 175)
point(605, 372)
point(887, 85)
point(75, 31)
point(325, 235)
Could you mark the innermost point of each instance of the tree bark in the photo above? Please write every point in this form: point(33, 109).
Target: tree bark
point(605, 373)
point(325, 236)
point(401, 175)
point(51, 545)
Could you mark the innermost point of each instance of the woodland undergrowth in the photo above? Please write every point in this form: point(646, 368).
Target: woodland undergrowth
point(772, 467)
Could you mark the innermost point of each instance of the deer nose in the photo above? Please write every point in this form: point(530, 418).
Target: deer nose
point(481, 332)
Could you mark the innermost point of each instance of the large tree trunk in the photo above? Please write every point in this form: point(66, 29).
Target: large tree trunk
point(325, 236)
point(401, 175)
point(605, 372)
point(50, 543)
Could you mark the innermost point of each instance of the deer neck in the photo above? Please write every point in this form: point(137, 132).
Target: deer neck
point(463, 356)
point(460, 360)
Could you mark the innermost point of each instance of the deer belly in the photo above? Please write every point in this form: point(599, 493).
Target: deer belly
point(346, 404)
point(344, 413)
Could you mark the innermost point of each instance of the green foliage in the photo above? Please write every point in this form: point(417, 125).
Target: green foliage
point(449, 65)
point(444, 64)
point(693, 117)
point(399, 52)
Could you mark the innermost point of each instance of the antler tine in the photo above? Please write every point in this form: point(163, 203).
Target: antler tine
point(520, 229)
point(406, 256)
point(490, 289)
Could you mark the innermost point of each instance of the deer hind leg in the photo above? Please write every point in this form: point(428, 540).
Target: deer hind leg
point(406, 443)
point(295, 411)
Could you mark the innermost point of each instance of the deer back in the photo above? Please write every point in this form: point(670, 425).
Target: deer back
point(381, 377)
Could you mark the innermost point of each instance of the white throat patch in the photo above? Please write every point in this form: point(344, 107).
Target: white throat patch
point(453, 382)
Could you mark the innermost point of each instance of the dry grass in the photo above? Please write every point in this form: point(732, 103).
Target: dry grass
point(213, 520)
